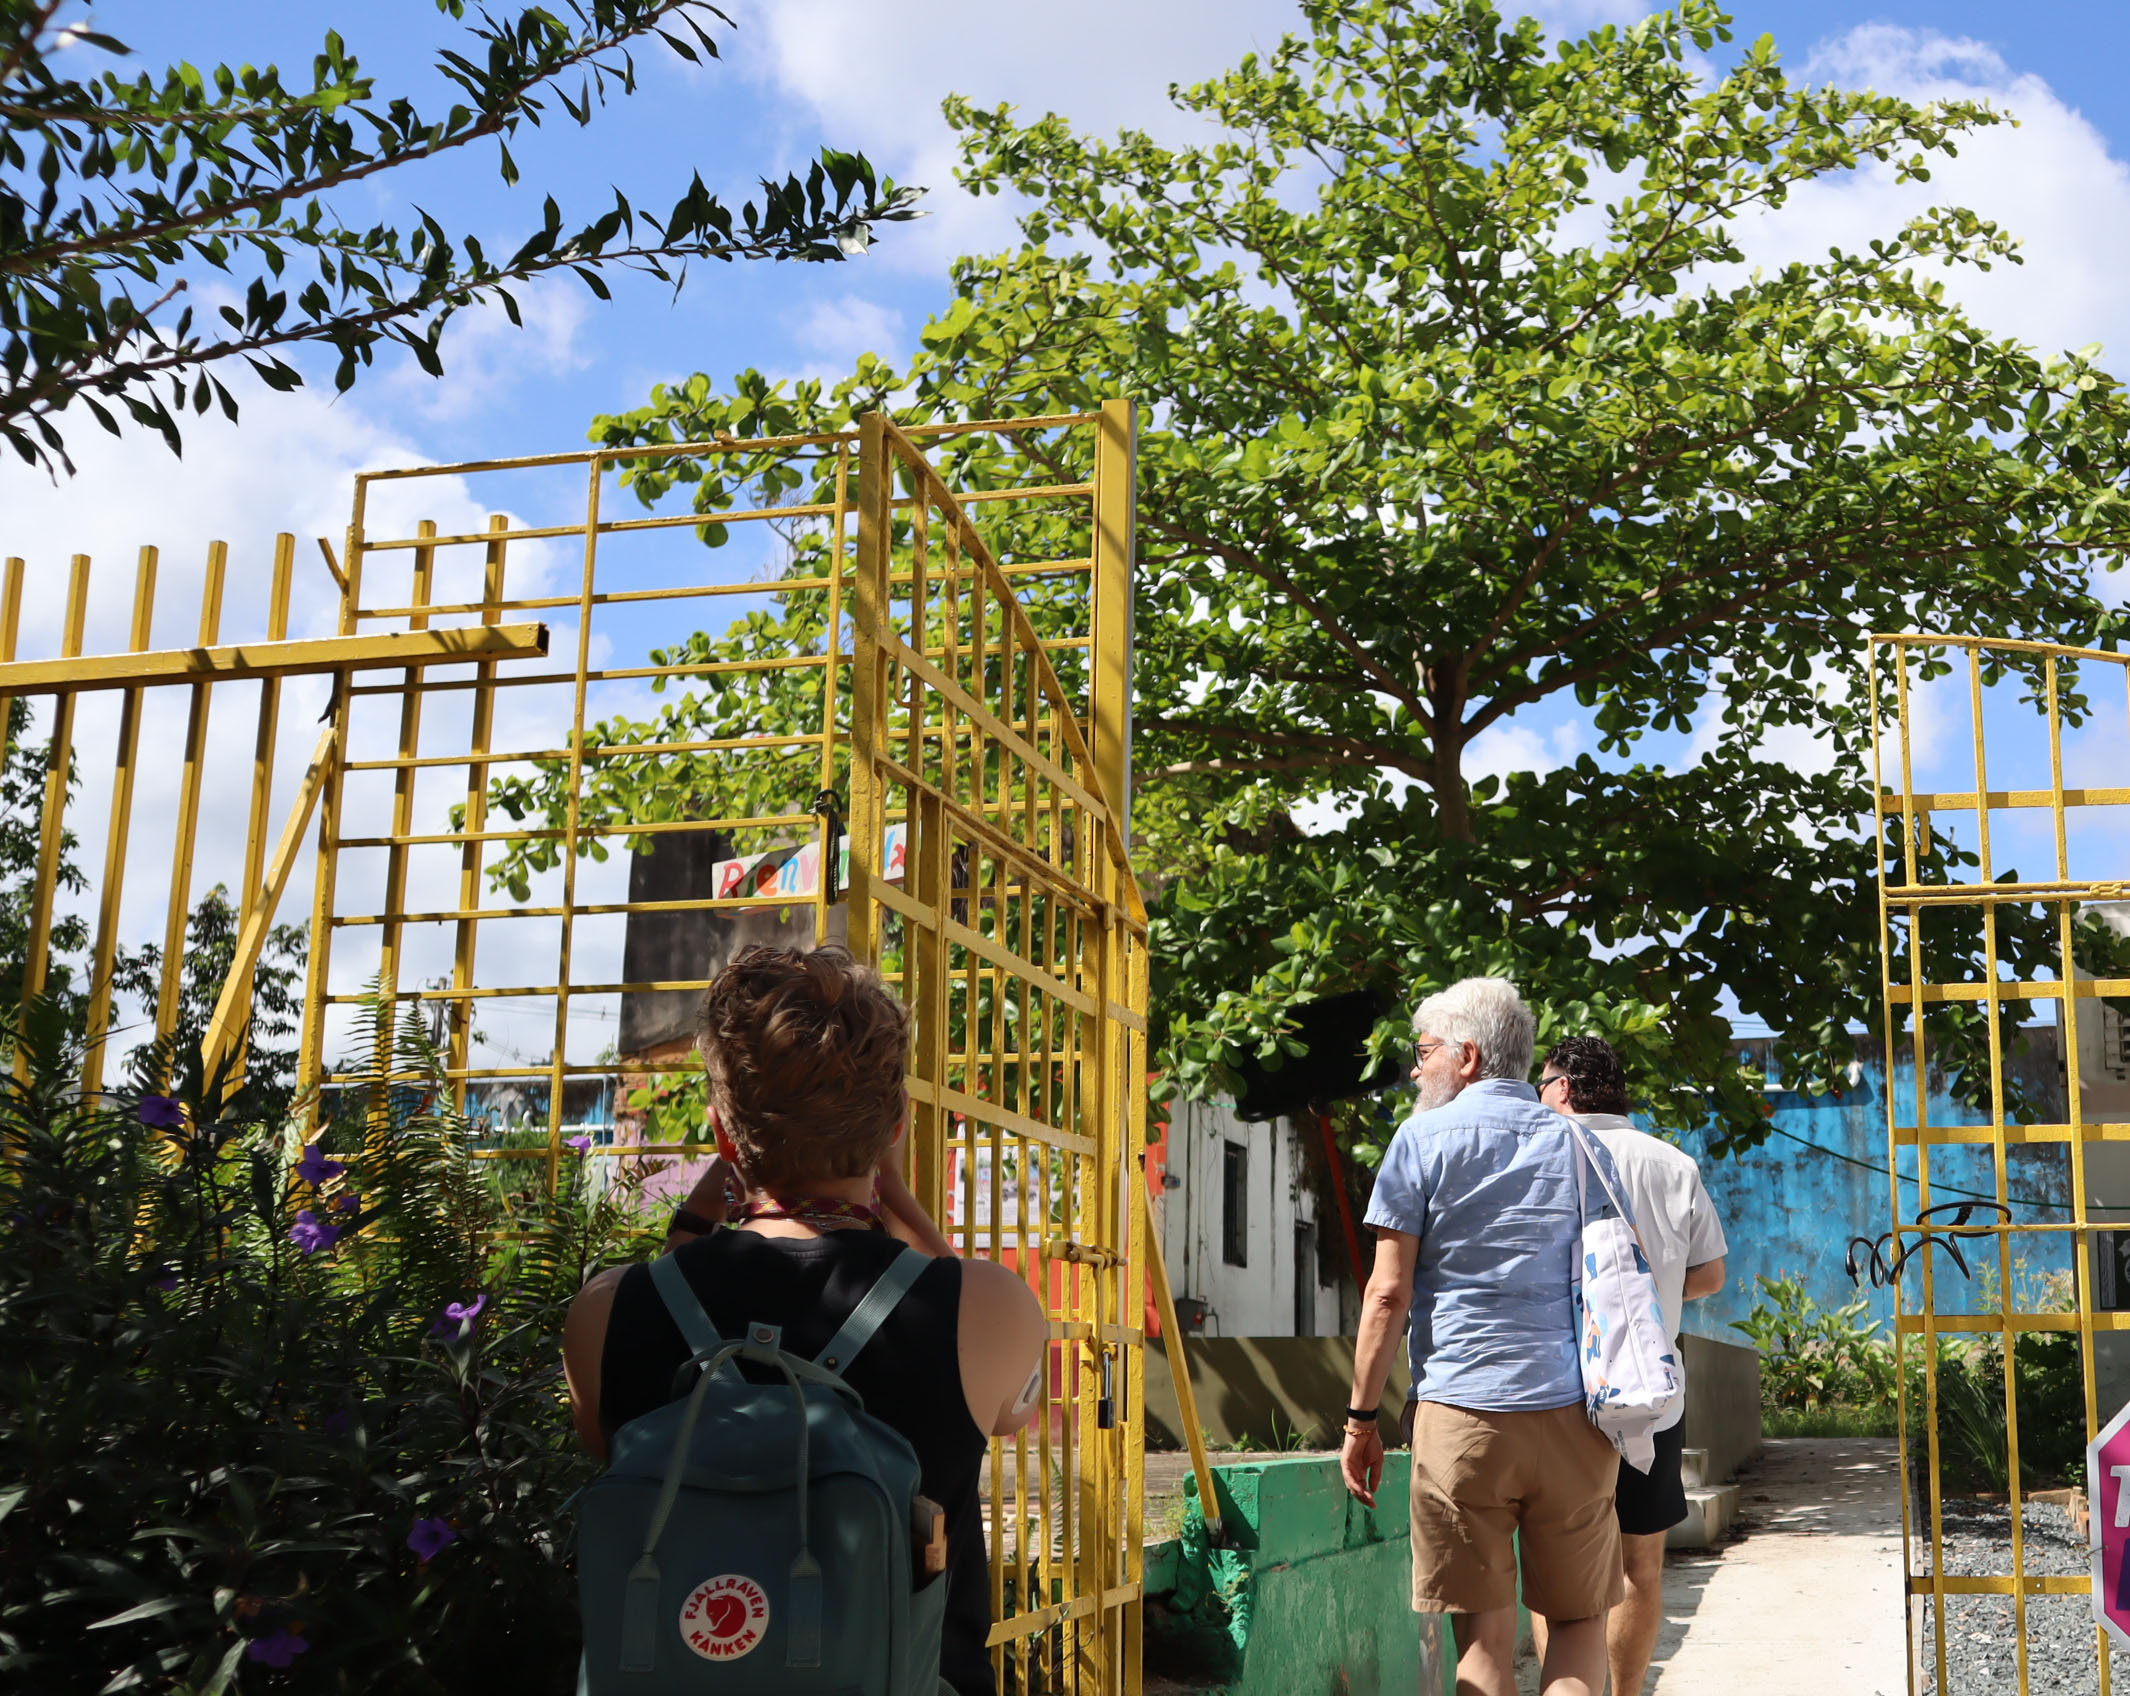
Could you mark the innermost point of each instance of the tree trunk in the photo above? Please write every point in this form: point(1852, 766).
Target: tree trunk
point(1452, 805)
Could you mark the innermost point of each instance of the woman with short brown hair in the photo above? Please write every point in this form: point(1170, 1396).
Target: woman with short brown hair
point(806, 1054)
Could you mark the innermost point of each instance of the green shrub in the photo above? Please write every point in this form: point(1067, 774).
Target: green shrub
point(1831, 1373)
point(265, 1425)
point(1811, 1357)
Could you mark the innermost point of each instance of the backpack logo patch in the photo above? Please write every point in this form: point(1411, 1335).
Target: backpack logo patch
point(725, 1617)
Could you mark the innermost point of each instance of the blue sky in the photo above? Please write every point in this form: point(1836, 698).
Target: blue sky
point(869, 75)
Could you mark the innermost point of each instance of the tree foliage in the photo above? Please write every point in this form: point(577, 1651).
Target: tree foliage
point(1464, 402)
point(120, 195)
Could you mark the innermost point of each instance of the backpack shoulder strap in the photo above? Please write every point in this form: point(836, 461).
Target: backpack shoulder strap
point(872, 1312)
point(686, 1308)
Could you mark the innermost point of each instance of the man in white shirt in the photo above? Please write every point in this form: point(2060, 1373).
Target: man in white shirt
point(1683, 1238)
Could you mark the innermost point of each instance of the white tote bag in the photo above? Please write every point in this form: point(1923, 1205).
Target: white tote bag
point(1631, 1377)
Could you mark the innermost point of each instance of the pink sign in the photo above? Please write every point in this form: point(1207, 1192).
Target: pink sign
point(2108, 1490)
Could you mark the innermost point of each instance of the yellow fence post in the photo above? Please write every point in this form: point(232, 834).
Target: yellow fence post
point(169, 1001)
point(117, 835)
point(52, 835)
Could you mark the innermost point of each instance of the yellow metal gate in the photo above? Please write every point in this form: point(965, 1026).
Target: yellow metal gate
point(1944, 902)
point(928, 676)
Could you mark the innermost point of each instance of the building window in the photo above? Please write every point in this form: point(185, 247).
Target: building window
point(1235, 1203)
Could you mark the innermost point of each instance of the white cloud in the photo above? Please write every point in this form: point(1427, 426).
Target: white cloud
point(891, 65)
point(485, 355)
point(835, 332)
point(1509, 747)
point(2052, 183)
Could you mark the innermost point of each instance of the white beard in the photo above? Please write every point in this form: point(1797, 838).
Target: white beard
point(1438, 1092)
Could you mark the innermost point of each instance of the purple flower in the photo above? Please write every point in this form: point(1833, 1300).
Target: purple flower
point(161, 1113)
point(164, 1279)
point(311, 1234)
point(314, 1167)
point(346, 1202)
point(276, 1651)
point(431, 1537)
point(337, 1422)
point(459, 1317)
point(580, 1144)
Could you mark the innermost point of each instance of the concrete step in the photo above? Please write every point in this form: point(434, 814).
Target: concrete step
point(1709, 1512)
point(1693, 1467)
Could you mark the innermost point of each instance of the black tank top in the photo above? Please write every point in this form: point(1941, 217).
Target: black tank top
point(909, 1375)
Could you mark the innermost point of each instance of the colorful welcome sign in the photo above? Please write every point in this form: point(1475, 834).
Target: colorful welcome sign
point(796, 872)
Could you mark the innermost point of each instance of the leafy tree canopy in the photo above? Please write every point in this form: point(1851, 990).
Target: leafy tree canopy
point(118, 195)
point(1461, 401)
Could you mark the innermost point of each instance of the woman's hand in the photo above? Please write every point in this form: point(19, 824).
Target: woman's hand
point(706, 1200)
point(904, 1209)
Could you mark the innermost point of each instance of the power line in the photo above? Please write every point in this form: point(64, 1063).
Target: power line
point(1950, 1189)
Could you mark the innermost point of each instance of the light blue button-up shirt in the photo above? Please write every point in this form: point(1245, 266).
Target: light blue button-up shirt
point(1487, 1183)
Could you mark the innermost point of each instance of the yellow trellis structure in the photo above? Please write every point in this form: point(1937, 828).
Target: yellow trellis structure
point(1920, 900)
point(966, 687)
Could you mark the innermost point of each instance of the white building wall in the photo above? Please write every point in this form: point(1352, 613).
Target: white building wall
point(1259, 1297)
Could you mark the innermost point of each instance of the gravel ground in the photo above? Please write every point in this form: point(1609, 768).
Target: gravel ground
point(1981, 1646)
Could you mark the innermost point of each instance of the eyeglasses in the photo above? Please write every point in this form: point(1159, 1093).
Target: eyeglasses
point(1547, 1083)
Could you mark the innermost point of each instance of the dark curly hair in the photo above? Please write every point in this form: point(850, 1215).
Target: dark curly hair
point(1597, 1082)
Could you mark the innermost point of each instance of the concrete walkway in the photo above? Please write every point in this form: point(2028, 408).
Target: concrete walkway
point(1809, 1595)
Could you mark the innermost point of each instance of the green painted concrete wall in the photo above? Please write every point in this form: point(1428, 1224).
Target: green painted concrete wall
point(1310, 1596)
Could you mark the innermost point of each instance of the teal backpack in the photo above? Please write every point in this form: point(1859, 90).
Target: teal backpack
point(762, 1537)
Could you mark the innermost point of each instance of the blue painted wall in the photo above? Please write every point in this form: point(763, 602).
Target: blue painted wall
point(1795, 1203)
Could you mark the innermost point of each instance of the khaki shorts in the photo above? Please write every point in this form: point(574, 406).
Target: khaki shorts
point(1488, 1487)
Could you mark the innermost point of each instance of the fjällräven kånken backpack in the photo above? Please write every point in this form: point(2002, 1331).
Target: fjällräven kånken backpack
point(758, 1537)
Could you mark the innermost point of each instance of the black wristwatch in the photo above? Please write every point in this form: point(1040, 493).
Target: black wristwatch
point(690, 1224)
point(1361, 1415)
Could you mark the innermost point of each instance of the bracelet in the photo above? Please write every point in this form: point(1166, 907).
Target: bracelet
point(1360, 1416)
point(1354, 1428)
point(690, 1224)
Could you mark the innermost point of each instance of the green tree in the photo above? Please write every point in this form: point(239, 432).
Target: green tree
point(1462, 401)
point(118, 195)
point(210, 941)
point(269, 1043)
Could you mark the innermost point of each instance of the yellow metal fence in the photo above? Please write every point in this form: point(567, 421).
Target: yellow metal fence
point(1944, 903)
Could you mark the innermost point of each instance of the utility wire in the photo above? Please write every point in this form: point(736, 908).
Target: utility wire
point(1950, 1189)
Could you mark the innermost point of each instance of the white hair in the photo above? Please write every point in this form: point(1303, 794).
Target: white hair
point(1490, 1014)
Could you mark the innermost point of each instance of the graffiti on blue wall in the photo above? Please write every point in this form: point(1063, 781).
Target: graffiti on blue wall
point(1799, 1201)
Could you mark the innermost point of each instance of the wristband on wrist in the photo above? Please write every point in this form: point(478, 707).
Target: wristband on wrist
point(1360, 1416)
point(690, 1224)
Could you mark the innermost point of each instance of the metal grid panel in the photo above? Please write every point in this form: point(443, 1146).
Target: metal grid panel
point(184, 684)
point(1924, 895)
point(995, 747)
point(1018, 939)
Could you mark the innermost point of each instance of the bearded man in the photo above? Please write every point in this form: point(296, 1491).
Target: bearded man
point(1477, 1227)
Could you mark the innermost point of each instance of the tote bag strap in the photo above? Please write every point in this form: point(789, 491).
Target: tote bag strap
point(1584, 1157)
